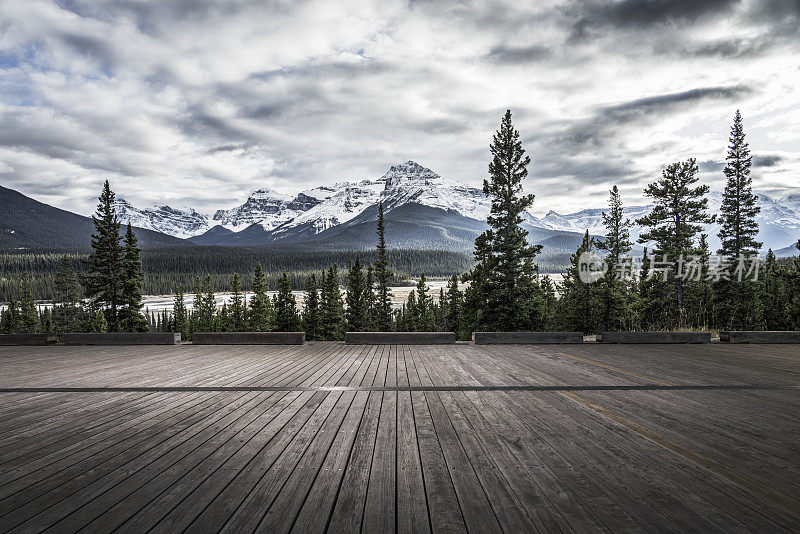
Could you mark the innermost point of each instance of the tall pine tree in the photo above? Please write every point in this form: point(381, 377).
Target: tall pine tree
point(356, 312)
point(103, 283)
point(286, 319)
point(28, 314)
point(180, 322)
point(237, 313)
point(505, 274)
point(66, 298)
point(383, 308)
point(737, 303)
point(616, 297)
point(130, 298)
point(332, 308)
point(260, 313)
point(311, 313)
point(424, 315)
point(676, 219)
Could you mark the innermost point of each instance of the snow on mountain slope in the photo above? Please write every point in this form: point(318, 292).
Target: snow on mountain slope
point(312, 211)
point(177, 222)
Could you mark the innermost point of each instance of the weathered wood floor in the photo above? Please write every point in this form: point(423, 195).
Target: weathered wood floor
point(400, 438)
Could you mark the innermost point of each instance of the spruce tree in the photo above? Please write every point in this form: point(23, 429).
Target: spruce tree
point(424, 314)
point(678, 215)
point(197, 306)
point(66, 298)
point(237, 313)
point(793, 289)
point(504, 276)
point(28, 314)
point(356, 312)
point(180, 320)
point(11, 318)
point(580, 306)
point(332, 308)
point(130, 298)
point(455, 303)
point(410, 316)
point(738, 226)
point(286, 319)
point(774, 294)
point(208, 307)
point(311, 312)
point(260, 314)
point(103, 283)
point(383, 309)
point(616, 297)
point(99, 324)
point(370, 298)
point(737, 301)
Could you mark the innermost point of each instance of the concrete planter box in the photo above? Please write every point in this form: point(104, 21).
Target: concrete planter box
point(248, 338)
point(745, 336)
point(492, 338)
point(26, 339)
point(399, 338)
point(655, 337)
point(123, 338)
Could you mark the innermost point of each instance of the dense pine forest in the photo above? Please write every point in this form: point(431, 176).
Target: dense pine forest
point(678, 283)
point(164, 269)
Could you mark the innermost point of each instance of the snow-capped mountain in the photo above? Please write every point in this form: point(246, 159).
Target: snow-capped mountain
point(178, 222)
point(459, 210)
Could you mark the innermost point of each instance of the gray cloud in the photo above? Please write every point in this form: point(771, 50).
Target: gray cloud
point(201, 102)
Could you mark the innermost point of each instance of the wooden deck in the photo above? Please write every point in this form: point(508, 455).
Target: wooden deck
point(400, 438)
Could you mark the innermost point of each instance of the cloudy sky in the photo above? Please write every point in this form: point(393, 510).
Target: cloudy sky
point(200, 102)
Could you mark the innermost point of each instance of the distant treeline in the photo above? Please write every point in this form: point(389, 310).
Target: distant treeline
point(164, 269)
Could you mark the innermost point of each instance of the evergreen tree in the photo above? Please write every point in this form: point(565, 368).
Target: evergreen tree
point(738, 228)
point(103, 284)
point(46, 321)
point(356, 313)
point(197, 306)
point(11, 318)
point(455, 304)
point(410, 316)
point(130, 297)
point(424, 314)
point(223, 320)
point(370, 298)
point(66, 298)
point(260, 316)
point(775, 299)
point(616, 297)
point(676, 219)
point(99, 324)
point(237, 313)
point(793, 288)
point(286, 319)
point(206, 312)
point(311, 312)
point(700, 291)
point(441, 312)
point(737, 301)
point(332, 309)
point(180, 318)
point(504, 281)
point(550, 299)
point(28, 314)
point(383, 309)
point(580, 306)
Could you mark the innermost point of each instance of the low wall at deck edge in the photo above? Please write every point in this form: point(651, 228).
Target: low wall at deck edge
point(123, 338)
point(654, 337)
point(400, 338)
point(491, 338)
point(755, 336)
point(27, 339)
point(248, 338)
